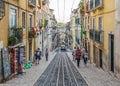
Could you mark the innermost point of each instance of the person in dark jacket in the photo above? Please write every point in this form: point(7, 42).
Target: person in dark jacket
point(37, 55)
point(78, 56)
point(46, 54)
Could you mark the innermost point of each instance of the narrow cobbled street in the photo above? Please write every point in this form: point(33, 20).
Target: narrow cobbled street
point(61, 72)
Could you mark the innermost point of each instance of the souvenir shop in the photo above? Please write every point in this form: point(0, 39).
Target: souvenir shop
point(4, 64)
point(17, 56)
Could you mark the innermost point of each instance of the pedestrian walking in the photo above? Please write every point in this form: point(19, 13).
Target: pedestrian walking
point(46, 54)
point(78, 56)
point(74, 53)
point(85, 59)
point(83, 50)
point(37, 56)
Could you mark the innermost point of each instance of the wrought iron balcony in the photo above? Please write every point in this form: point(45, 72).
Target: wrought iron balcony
point(19, 34)
point(96, 36)
point(31, 33)
point(91, 33)
point(32, 3)
point(16, 36)
point(77, 21)
point(2, 9)
point(99, 36)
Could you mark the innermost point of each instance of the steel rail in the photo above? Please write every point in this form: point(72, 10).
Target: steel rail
point(50, 71)
point(71, 71)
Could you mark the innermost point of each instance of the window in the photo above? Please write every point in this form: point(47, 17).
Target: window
point(88, 22)
point(94, 23)
point(91, 4)
point(13, 17)
point(100, 23)
point(23, 19)
point(97, 3)
point(30, 21)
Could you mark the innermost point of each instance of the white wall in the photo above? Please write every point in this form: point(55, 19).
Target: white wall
point(117, 39)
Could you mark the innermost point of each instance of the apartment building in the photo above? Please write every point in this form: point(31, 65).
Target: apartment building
point(101, 33)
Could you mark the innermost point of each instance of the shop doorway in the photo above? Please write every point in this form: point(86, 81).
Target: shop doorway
point(89, 50)
point(100, 58)
point(112, 52)
point(94, 56)
point(30, 51)
point(86, 45)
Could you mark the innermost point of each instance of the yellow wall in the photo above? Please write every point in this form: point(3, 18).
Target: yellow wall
point(4, 23)
point(108, 14)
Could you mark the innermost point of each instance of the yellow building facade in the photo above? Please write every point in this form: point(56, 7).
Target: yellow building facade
point(101, 33)
point(19, 13)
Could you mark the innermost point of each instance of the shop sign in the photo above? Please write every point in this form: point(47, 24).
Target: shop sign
point(5, 63)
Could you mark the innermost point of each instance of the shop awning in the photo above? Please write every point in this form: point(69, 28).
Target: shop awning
point(17, 45)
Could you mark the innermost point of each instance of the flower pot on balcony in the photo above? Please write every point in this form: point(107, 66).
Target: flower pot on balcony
point(31, 34)
point(12, 40)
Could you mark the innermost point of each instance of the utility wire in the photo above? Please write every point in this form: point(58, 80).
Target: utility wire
point(64, 12)
point(58, 9)
point(72, 5)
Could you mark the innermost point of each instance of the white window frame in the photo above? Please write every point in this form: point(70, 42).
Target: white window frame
point(101, 22)
point(88, 22)
point(16, 22)
point(25, 19)
point(30, 14)
point(94, 23)
point(15, 8)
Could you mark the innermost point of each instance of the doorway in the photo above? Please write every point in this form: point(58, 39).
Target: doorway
point(94, 56)
point(89, 50)
point(112, 52)
point(30, 51)
point(100, 58)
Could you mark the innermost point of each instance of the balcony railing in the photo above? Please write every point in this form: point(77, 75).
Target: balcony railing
point(32, 3)
point(97, 36)
point(15, 37)
point(77, 21)
point(91, 33)
point(2, 9)
point(19, 34)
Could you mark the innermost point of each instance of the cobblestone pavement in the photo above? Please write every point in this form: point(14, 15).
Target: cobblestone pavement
point(31, 75)
point(61, 72)
point(92, 75)
point(95, 76)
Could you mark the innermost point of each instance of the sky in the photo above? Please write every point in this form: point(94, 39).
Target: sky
point(63, 15)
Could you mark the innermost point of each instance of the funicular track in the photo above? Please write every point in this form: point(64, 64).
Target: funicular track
point(61, 72)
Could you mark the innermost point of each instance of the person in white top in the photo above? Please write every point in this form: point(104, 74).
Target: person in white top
point(85, 58)
point(74, 53)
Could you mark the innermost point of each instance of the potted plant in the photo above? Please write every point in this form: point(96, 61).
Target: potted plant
point(12, 40)
point(31, 34)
